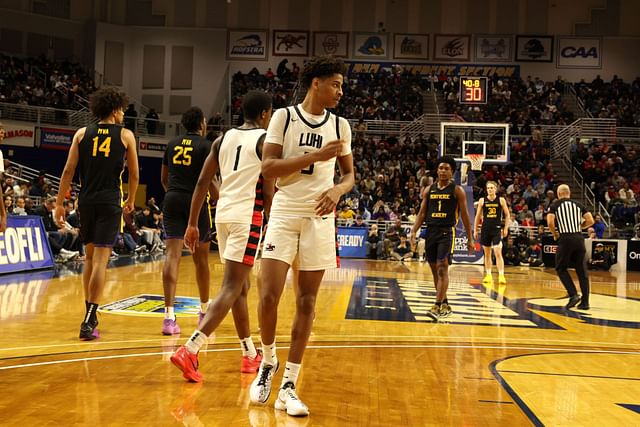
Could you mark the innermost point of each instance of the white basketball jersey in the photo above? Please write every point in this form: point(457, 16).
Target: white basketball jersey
point(241, 190)
point(300, 132)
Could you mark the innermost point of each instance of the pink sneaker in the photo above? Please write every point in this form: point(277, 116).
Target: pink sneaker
point(249, 365)
point(170, 327)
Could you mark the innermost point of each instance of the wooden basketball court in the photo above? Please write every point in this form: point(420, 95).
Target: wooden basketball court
point(507, 356)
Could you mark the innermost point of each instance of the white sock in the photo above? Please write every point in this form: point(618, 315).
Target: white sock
point(204, 306)
point(248, 349)
point(269, 353)
point(195, 343)
point(169, 314)
point(291, 371)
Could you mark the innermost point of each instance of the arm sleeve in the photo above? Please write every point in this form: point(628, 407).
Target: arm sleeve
point(275, 132)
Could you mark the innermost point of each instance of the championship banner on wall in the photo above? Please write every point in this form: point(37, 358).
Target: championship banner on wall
point(24, 245)
point(351, 242)
point(152, 147)
point(18, 134)
point(54, 138)
point(437, 69)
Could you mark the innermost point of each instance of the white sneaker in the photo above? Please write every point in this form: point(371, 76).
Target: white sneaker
point(260, 389)
point(289, 401)
point(67, 255)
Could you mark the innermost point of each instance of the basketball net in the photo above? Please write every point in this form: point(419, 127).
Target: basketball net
point(476, 161)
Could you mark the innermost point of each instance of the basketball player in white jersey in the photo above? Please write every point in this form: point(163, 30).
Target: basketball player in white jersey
point(244, 194)
point(301, 148)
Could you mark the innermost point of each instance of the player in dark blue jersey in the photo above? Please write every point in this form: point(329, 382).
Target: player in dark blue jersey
point(442, 203)
point(98, 152)
point(181, 165)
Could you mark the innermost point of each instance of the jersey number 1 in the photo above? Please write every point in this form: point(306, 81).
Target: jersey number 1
point(105, 147)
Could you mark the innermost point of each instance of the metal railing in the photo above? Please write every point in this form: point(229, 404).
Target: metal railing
point(44, 115)
point(582, 128)
point(426, 125)
point(586, 192)
point(580, 111)
point(26, 174)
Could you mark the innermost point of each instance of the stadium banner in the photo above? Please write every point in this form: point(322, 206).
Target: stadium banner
point(460, 251)
point(18, 134)
point(633, 255)
point(54, 138)
point(351, 242)
point(24, 245)
point(152, 147)
point(579, 52)
point(428, 69)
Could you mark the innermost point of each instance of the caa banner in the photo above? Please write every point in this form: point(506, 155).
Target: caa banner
point(437, 69)
point(579, 52)
point(24, 245)
point(351, 242)
point(55, 138)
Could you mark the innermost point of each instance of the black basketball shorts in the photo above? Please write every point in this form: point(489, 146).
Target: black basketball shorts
point(175, 216)
point(100, 224)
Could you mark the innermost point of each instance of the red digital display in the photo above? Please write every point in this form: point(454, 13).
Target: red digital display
point(473, 90)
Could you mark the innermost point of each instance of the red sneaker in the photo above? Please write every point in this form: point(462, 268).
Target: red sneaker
point(187, 363)
point(249, 365)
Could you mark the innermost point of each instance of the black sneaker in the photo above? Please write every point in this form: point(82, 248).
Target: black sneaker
point(573, 301)
point(88, 331)
point(583, 306)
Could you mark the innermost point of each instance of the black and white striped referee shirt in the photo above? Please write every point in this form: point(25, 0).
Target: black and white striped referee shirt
point(568, 215)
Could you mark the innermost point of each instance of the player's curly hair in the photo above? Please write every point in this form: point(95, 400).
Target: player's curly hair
point(106, 100)
point(192, 118)
point(321, 66)
point(449, 160)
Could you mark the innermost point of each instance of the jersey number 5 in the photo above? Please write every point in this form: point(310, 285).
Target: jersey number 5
point(309, 170)
point(105, 147)
point(182, 156)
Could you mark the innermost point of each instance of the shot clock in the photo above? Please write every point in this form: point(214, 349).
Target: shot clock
point(473, 90)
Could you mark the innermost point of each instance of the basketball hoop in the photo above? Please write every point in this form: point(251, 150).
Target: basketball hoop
point(475, 160)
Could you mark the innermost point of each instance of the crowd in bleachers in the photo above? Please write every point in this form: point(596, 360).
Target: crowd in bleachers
point(392, 94)
point(611, 171)
point(40, 82)
point(524, 103)
point(142, 233)
point(615, 99)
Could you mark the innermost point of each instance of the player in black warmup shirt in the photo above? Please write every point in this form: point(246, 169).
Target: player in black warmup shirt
point(181, 166)
point(494, 212)
point(566, 220)
point(442, 203)
point(98, 151)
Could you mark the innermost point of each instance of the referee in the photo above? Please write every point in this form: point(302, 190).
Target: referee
point(566, 220)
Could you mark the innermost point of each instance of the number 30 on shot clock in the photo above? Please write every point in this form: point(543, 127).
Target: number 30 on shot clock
point(473, 90)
